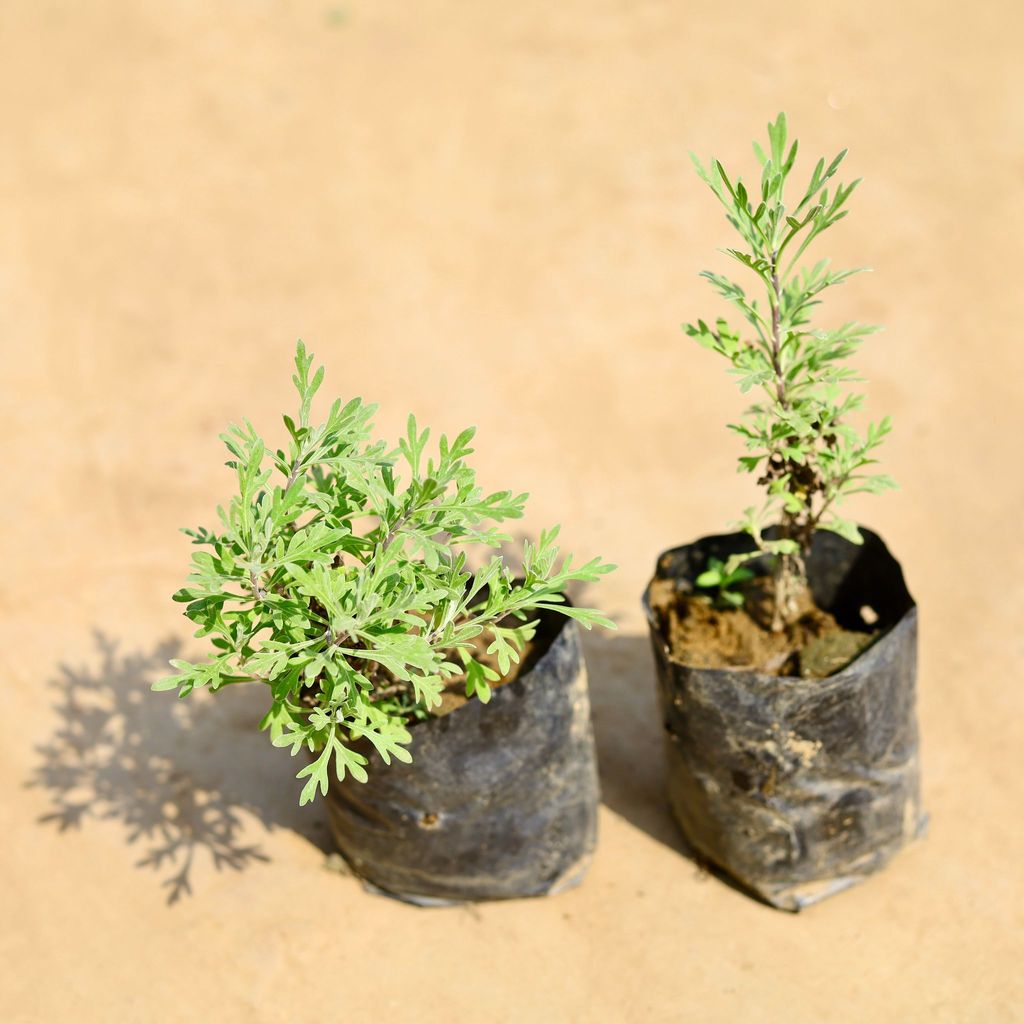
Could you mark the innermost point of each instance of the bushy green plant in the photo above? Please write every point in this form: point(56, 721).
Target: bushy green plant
point(338, 577)
point(798, 437)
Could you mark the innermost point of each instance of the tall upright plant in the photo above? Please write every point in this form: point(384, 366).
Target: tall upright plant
point(797, 436)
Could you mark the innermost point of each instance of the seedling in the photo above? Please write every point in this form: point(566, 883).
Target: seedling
point(722, 577)
point(797, 436)
point(338, 578)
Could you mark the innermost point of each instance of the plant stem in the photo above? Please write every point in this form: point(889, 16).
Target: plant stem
point(775, 301)
point(836, 489)
point(789, 571)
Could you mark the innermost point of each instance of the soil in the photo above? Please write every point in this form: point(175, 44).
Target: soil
point(702, 634)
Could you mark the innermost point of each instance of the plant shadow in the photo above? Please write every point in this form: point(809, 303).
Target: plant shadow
point(181, 777)
point(185, 779)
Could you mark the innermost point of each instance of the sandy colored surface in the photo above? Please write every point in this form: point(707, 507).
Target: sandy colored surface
point(483, 212)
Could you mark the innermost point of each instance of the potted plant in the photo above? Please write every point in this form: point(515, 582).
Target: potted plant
point(786, 650)
point(338, 578)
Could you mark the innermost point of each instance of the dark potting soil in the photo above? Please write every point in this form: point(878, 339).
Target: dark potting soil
point(703, 635)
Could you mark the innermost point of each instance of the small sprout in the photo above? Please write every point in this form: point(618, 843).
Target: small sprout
point(722, 577)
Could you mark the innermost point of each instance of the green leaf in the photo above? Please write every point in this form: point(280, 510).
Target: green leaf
point(317, 773)
point(709, 578)
point(586, 617)
point(777, 138)
point(167, 683)
point(844, 528)
point(387, 735)
point(349, 761)
point(478, 678)
point(781, 547)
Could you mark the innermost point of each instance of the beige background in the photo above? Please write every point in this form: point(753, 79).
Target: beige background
point(483, 212)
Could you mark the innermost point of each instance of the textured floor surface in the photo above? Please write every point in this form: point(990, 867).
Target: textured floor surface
point(485, 213)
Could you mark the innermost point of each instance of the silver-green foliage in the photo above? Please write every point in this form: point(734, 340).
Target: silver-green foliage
point(797, 436)
point(338, 577)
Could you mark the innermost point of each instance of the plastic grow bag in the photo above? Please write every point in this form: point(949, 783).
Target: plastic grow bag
point(500, 799)
point(798, 788)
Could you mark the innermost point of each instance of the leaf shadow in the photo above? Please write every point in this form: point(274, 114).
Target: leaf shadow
point(184, 779)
